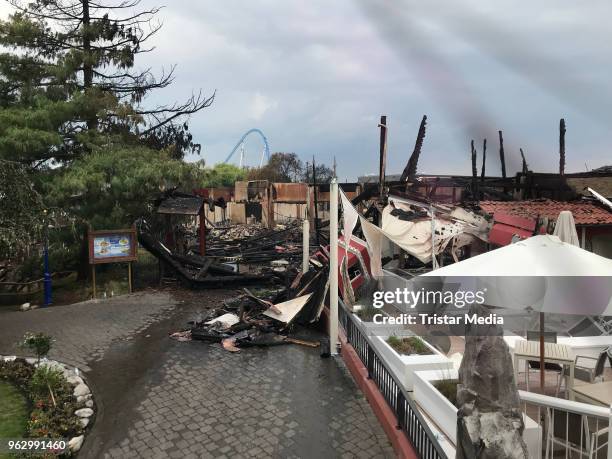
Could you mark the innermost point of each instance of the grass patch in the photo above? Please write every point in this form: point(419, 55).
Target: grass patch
point(448, 388)
point(409, 346)
point(49, 401)
point(13, 412)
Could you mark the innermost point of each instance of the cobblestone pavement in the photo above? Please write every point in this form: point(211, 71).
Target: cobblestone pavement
point(83, 331)
point(161, 398)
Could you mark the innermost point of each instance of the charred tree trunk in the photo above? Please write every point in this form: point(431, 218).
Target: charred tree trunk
point(562, 147)
point(87, 64)
point(411, 168)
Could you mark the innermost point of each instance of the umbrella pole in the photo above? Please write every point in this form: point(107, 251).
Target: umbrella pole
point(542, 351)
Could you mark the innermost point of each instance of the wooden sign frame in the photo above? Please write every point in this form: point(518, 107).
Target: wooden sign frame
point(129, 233)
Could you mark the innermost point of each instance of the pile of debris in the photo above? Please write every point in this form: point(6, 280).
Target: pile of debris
point(254, 244)
point(236, 232)
point(195, 270)
point(269, 319)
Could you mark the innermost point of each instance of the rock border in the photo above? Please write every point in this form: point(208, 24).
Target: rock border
point(82, 392)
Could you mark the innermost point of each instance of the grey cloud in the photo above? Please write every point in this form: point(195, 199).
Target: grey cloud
point(325, 71)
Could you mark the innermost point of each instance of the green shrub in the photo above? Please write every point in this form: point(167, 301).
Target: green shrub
point(46, 379)
point(18, 372)
point(38, 343)
point(61, 258)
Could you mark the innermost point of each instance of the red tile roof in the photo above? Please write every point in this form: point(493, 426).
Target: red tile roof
point(584, 212)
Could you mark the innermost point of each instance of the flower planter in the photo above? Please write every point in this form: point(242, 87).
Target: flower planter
point(47, 418)
point(404, 366)
point(444, 413)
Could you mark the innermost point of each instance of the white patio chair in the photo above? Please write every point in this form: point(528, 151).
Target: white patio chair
point(534, 365)
point(588, 369)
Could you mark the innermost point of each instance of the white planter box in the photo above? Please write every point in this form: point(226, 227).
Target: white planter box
point(436, 405)
point(444, 413)
point(372, 329)
point(404, 366)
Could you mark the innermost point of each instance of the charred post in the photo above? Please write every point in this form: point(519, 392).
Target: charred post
point(484, 160)
point(411, 168)
point(474, 173)
point(383, 155)
point(562, 147)
point(316, 202)
point(502, 157)
point(525, 166)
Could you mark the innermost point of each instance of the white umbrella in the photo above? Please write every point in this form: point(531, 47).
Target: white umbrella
point(540, 272)
point(543, 255)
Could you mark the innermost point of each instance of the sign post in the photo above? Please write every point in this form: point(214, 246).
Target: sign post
point(112, 246)
point(333, 267)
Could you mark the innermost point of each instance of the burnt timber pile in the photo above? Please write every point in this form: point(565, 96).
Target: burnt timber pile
point(251, 243)
point(197, 271)
point(212, 258)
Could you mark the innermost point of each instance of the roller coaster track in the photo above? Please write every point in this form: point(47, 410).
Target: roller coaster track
point(242, 139)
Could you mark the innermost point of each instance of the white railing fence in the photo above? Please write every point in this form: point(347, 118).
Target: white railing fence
point(570, 429)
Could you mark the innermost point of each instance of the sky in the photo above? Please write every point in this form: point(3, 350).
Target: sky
point(316, 75)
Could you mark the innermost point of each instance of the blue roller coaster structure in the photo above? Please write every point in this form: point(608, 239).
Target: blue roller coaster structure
point(241, 142)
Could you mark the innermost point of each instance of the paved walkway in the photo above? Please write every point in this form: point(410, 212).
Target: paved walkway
point(160, 398)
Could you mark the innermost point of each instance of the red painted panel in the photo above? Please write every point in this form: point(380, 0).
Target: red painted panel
point(502, 234)
point(513, 220)
point(353, 261)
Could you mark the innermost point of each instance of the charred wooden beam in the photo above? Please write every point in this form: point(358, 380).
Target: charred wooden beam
point(474, 173)
point(498, 195)
point(484, 160)
point(157, 249)
point(204, 262)
point(502, 157)
point(562, 147)
point(365, 195)
point(411, 168)
point(383, 155)
point(525, 166)
point(316, 201)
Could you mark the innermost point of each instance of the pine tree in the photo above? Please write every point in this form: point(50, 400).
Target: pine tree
point(68, 81)
point(20, 210)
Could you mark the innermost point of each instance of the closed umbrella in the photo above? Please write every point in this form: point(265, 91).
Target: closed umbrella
point(565, 228)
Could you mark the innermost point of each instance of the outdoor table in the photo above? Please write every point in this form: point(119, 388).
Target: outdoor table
point(596, 394)
point(560, 354)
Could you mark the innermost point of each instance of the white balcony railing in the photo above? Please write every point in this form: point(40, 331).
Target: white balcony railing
point(571, 429)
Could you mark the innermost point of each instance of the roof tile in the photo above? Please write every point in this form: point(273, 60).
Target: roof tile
point(584, 212)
